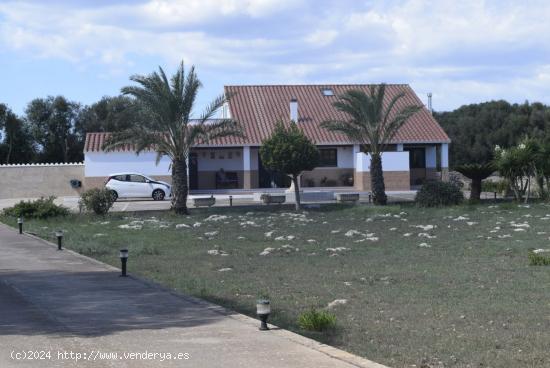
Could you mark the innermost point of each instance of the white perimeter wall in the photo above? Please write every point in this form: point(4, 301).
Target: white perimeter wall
point(104, 164)
point(391, 161)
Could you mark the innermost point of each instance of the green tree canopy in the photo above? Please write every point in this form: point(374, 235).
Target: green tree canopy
point(53, 122)
point(476, 129)
point(16, 143)
point(290, 152)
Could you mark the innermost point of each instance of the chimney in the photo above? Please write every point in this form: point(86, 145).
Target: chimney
point(430, 102)
point(294, 110)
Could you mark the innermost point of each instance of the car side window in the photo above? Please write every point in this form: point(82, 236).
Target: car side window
point(120, 177)
point(137, 179)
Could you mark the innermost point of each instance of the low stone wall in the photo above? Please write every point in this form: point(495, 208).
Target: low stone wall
point(40, 180)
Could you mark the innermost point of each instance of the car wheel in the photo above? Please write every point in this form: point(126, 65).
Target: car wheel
point(114, 195)
point(158, 194)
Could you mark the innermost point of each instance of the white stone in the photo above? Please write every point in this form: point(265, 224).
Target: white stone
point(336, 303)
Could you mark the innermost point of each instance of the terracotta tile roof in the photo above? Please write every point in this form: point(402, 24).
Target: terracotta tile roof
point(258, 108)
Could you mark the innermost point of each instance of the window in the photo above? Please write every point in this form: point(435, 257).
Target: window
point(212, 155)
point(121, 177)
point(417, 158)
point(327, 92)
point(137, 179)
point(328, 157)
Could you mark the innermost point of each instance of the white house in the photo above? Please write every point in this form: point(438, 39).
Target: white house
point(419, 151)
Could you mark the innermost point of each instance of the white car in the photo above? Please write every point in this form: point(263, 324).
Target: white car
point(135, 185)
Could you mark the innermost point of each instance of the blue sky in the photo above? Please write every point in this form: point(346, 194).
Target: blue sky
point(462, 51)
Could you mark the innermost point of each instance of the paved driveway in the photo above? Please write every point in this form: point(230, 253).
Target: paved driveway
point(57, 305)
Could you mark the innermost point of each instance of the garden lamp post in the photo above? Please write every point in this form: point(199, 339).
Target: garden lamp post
point(263, 310)
point(20, 224)
point(59, 235)
point(123, 260)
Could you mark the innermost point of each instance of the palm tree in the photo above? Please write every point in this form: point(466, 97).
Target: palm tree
point(476, 173)
point(372, 123)
point(167, 126)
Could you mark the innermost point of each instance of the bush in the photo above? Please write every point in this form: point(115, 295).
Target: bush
point(314, 320)
point(538, 259)
point(97, 200)
point(41, 208)
point(438, 193)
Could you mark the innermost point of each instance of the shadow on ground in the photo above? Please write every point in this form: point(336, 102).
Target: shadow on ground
point(91, 304)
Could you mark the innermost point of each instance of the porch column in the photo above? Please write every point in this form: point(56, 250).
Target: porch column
point(445, 161)
point(356, 149)
point(431, 162)
point(247, 175)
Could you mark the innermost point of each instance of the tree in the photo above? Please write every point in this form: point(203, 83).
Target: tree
point(516, 164)
point(290, 152)
point(53, 122)
point(17, 145)
point(541, 165)
point(372, 123)
point(167, 125)
point(476, 173)
point(477, 128)
point(110, 114)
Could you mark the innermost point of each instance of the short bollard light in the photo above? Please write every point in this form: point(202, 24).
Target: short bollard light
point(123, 260)
point(263, 310)
point(20, 224)
point(59, 235)
point(230, 201)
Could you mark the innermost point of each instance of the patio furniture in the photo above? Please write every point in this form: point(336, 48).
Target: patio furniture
point(227, 180)
point(347, 197)
point(204, 201)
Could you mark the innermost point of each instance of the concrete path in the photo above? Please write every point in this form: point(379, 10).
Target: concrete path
point(73, 311)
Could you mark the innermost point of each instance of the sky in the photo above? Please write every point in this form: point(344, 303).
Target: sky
point(462, 52)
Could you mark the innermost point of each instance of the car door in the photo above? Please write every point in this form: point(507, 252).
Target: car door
point(121, 184)
point(139, 186)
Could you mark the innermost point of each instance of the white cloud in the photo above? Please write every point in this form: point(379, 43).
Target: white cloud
point(462, 51)
point(322, 37)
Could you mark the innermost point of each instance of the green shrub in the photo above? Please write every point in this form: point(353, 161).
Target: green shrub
point(438, 193)
point(315, 320)
point(538, 259)
point(97, 200)
point(41, 208)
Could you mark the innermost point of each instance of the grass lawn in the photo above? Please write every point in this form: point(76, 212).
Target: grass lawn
point(449, 287)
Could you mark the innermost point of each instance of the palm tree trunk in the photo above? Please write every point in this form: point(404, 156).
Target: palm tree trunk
point(378, 187)
point(296, 192)
point(179, 186)
point(475, 192)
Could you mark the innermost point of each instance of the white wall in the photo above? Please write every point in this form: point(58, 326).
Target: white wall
point(391, 161)
point(104, 164)
point(345, 157)
point(206, 163)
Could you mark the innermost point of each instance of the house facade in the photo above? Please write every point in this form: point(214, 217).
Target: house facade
point(418, 152)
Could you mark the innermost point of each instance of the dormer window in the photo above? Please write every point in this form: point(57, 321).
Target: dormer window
point(327, 92)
